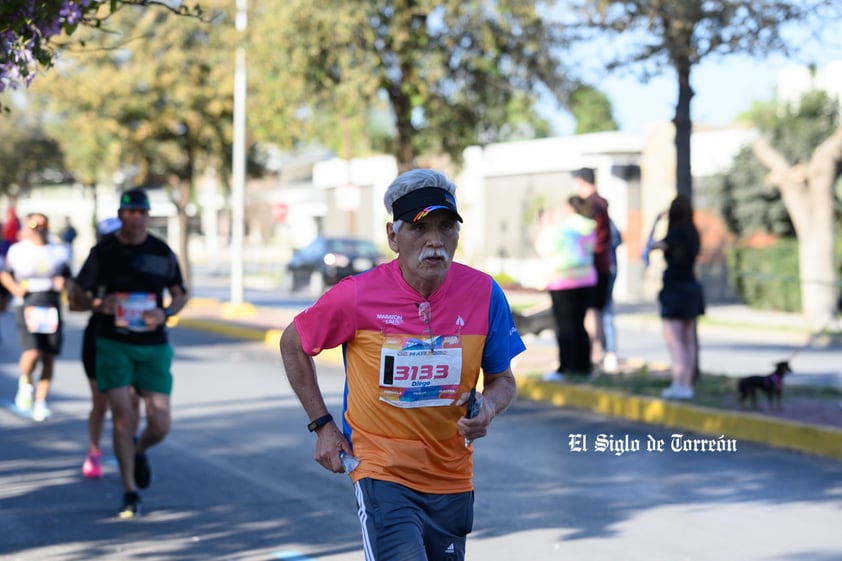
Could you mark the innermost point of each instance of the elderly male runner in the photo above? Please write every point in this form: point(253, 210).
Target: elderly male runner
point(415, 333)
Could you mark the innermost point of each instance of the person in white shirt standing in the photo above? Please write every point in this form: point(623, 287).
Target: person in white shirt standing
point(35, 273)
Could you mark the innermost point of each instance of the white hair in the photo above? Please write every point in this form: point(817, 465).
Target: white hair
point(416, 179)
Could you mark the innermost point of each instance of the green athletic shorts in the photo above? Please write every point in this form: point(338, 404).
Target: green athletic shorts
point(146, 367)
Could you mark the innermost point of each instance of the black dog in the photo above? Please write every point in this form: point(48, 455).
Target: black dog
point(772, 385)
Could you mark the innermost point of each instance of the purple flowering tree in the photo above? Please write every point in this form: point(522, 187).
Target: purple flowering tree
point(25, 33)
point(29, 30)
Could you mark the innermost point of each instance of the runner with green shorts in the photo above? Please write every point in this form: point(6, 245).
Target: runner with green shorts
point(125, 278)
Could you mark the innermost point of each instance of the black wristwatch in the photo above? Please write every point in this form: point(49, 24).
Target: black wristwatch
point(319, 423)
point(168, 312)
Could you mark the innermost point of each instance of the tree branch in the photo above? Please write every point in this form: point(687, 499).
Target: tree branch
point(774, 161)
point(828, 154)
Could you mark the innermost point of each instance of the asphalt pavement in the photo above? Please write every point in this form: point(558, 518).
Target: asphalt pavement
point(235, 479)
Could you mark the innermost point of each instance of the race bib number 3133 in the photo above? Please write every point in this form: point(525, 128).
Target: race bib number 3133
point(420, 372)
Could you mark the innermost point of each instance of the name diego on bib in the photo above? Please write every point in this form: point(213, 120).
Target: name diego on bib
point(420, 371)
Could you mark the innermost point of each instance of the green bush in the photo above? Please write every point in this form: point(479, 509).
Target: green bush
point(767, 278)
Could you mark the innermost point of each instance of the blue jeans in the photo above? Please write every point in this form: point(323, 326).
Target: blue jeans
point(608, 331)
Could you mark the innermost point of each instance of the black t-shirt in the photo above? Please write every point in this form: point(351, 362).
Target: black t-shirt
point(146, 269)
point(680, 255)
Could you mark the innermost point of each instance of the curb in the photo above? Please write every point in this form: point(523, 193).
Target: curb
point(779, 433)
point(269, 337)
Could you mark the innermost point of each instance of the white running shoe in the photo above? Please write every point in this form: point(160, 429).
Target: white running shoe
point(553, 377)
point(40, 411)
point(610, 364)
point(23, 399)
point(686, 393)
point(677, 392)
point(671, 392)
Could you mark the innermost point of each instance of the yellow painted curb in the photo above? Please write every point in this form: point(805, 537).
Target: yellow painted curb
point(224, 328)
point(243, 310)
point(201, 302)
point(270, 337)
point(781, 433)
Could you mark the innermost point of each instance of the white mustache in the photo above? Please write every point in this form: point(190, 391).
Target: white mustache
point(432, 253)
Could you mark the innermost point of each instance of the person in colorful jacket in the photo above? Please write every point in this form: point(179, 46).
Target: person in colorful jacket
point(566, 245)
point(415, 334)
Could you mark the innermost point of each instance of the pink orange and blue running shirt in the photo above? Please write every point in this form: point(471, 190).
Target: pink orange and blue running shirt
point(407, 359)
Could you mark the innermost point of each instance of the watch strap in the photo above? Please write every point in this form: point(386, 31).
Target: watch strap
point(319, 423)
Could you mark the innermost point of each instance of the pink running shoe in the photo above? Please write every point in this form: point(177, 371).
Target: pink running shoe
point(92, 468)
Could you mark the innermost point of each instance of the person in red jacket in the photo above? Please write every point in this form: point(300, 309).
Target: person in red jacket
point(585, 181)
point(11, 228)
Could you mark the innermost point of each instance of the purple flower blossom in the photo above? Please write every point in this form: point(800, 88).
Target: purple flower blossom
point(28, 27)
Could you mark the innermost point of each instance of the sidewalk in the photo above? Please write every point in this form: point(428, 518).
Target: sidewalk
point(266, 323)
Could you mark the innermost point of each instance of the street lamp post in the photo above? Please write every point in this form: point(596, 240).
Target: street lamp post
point(238, 183)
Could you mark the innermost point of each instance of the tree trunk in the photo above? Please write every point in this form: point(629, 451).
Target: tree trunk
point(683, 170)
point(683, 132)
point(183, 257)
point(807, 192)
point(404, 149)
point(815, 262)
point(184, 187)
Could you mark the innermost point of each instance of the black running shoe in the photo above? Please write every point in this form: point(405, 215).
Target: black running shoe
point(131, 505)
point(142, 471)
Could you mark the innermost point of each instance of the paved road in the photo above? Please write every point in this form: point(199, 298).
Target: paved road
point(235, 481)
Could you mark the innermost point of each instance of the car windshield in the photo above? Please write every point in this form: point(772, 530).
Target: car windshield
point(351, 247)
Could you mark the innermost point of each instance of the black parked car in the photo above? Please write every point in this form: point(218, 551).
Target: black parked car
point(325, 261)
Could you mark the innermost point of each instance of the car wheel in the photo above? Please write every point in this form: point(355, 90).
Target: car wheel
point(317, 283)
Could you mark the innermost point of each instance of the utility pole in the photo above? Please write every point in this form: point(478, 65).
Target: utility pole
point(238, 170)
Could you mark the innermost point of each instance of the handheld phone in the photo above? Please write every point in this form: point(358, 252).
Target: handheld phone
point(472, 407)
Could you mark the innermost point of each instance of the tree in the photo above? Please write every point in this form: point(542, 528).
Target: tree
point(28, 156)
point(154, 95)
point(745, 199)
point(29, 30)
point(678, 34)
point(802, 149)
point(592, 110)
point(451, 74)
